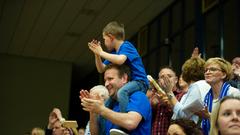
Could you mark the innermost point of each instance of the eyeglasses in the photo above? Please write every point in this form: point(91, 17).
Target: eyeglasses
point(212, 69)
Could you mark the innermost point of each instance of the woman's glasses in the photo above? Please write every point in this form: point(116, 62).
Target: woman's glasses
point(212, 69)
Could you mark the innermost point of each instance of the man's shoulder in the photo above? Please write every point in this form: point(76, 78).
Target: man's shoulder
point(139, 97)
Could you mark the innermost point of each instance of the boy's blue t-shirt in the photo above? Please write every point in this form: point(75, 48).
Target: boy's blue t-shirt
point(138, 103)
point(134, 61)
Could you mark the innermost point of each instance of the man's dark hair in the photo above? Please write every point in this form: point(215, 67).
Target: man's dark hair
point(168, 67)
point(122, 70)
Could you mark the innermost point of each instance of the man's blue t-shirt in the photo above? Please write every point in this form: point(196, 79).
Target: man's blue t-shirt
point(138, 103)
point(134, 61)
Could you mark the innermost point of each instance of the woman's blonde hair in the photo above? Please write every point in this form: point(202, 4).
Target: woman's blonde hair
point(225, 66)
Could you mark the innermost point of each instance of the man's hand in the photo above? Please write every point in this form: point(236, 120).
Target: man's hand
point(95, 47)
point(167, 84)
point(84, 94)
point(93, 105)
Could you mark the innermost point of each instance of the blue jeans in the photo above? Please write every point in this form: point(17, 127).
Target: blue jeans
point(129, 88)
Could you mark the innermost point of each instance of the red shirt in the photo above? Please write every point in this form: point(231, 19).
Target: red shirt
point(162, 114)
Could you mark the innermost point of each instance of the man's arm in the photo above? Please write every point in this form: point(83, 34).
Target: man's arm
point(93, 124)
point(128, 120)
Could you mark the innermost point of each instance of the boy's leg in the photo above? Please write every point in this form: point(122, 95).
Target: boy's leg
point(125, 91)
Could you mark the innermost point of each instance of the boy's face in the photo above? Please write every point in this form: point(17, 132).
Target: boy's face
point(108, 41)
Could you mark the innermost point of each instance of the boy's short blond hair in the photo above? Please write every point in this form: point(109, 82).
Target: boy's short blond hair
point(116, 29)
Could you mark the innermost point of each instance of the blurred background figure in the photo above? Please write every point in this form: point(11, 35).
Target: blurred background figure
point(81, 131)
point(235, 81)
point(55, 127)
point(37, 131)
point(225, 118)
point(183, 85)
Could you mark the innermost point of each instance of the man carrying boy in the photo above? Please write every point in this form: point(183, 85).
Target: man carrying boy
point(137, 119)
point(121, 52)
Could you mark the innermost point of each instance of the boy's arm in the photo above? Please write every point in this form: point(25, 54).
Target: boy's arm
point(114, 58)
point(99, 64)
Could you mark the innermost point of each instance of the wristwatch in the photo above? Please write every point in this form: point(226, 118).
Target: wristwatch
point(170, 95)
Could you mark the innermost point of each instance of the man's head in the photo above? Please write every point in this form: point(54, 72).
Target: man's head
point(115, 77)
point(167, 72)
point(236, 66)
point(111, 32)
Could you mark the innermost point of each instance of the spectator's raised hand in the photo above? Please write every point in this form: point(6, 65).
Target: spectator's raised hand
point(54, 117)
point(195, 53)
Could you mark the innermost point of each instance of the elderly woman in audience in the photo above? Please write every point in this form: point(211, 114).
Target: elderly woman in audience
point(225, 118)
point(95, 91)
point(217, 72)
point(184, 127)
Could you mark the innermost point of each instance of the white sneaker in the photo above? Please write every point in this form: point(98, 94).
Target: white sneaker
point(117, 132)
